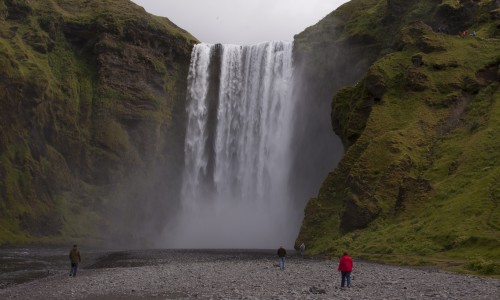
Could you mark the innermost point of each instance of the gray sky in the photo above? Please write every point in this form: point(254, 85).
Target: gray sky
point(242, 21)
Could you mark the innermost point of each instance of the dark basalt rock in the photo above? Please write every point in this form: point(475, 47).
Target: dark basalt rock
point(356, 215)
point(17, 9)
point(416, 81)
point(452, 19)
point(411, 189)
point(444, 66)
point(470, 85)
point(489, 74)
point(317, 291)
point(375, 83)
point(397, 7)
point(39, 226)
point(417, 60)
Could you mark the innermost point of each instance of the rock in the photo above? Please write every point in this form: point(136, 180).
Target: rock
point(417, 60)
point(416, 81)
point(396, 8)
point(420, 35)
point(357, 215)
point(315, 290)
point(375, 83)
point(17, 10)
point(470, 85)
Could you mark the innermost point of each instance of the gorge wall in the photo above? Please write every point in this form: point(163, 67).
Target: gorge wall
point(92, 112)
point(420, 173)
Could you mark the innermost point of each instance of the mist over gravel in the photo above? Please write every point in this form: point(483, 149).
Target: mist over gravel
point(197, 274)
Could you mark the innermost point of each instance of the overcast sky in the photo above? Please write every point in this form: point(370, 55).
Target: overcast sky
point(242, 21)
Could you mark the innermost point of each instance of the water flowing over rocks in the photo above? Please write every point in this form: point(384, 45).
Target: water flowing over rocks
point(166, 274)
point(235, 189)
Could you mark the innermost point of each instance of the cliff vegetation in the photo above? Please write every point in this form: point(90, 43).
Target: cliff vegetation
point(91, 95)
point(420, 179)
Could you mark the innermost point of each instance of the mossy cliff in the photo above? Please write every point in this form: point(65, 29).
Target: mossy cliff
point(92, 106)
point(419, 122)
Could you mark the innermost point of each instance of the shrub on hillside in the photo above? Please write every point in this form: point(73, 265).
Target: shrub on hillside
point(483, 266)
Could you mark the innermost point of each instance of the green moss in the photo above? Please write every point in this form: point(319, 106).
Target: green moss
point(363, 19)
point(425, 155)
point(65, 128)
point(80, 223)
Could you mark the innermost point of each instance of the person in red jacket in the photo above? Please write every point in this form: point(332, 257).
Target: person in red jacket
point(345, 268)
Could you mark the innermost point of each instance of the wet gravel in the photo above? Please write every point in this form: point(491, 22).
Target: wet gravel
point(168, 274)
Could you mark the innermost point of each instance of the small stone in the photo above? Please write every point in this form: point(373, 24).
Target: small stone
point(315, 290)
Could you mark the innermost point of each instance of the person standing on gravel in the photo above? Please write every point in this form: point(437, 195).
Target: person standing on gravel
point(281, 255)
point(345, 268)
point(302, 249)
point(74, 257)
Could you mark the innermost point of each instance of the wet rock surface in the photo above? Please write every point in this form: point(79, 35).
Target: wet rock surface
point(168, 274)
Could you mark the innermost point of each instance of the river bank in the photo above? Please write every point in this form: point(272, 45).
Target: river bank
point(225, 274)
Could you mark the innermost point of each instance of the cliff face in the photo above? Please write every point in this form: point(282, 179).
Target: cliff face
point(92, 110)
point(420, 173)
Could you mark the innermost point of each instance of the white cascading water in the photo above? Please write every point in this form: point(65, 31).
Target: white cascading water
point(237, 159)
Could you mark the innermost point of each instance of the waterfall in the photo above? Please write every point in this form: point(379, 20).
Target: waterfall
point(235, 190)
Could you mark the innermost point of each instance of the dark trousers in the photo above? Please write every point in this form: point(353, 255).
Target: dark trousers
point(282, 263)
point(346, 276)
point(74, 267)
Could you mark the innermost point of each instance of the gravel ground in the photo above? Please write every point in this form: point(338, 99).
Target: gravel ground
point(163, 274)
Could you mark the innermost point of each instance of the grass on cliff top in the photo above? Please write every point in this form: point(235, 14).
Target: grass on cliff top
point(368, 20)
point(117, 12)
point(108, 13)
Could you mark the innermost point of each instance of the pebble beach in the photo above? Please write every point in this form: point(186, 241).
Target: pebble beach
point(197, 274)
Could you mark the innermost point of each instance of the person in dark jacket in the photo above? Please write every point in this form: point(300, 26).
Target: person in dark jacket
point(74, 257)
point(281, 254)
point(345, 268)
point(302, 249)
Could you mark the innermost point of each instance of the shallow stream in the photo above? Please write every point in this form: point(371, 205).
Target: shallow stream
point(22, 264)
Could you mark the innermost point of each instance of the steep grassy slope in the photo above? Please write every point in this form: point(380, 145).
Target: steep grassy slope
point(339, 50)
point(91, 92)
point(421, 172)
